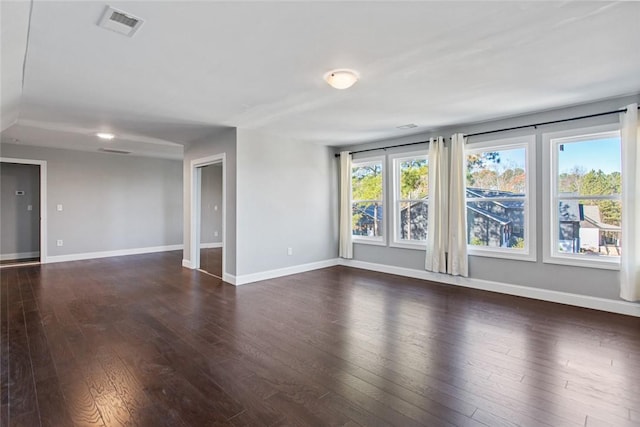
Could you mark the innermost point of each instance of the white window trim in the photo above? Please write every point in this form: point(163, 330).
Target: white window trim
point(549, 216)
point(396, 242)
point(529, 253)
point(380, 240)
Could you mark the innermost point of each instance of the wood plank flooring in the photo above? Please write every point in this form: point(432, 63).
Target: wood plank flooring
point(211, 261)
point(139, 340)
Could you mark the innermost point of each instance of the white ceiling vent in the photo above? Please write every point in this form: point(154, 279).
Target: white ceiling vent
point(120, 22)
point(113, 150)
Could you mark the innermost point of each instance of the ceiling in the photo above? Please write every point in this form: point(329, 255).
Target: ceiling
point(196, 67)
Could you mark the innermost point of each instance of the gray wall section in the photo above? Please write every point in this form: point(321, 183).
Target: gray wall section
point(19, 226)
point(110, 202)
point(576, 280)
point(210, 217)
point(223, 141)
point(287, 198)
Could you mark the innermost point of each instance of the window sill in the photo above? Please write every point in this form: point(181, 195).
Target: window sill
point(404, 245)
point(515, 256)
point(585, 263)
point(373, 241)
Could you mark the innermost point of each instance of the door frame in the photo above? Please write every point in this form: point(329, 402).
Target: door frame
point(196, 202)
point(43, 199)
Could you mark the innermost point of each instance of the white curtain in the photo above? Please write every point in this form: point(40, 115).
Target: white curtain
point(630, 257)
point(437, 225)
point(346, 245)
point(457, 263)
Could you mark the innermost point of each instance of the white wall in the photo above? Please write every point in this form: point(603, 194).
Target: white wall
point(110, 202)
point(287, 198)
point(591, 282)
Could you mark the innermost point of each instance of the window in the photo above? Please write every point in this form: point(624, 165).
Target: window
point(500, 175)
point(411, 205)
point(367, 197)
point(584, 205)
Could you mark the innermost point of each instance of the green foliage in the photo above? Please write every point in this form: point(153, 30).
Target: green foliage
point(476, 241)
point(595, 183)
point(366, 182)
point(516, 242)
point(414, 179)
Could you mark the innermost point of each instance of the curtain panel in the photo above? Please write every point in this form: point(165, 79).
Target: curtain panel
point(346, 244)
point(630, 257)
point(457, 261)
point(438, 218)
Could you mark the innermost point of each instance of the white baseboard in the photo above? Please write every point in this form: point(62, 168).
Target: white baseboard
point(271, 274)
point(19, 255)
point(210, 245)
point(186, 263)
point(106, 254)
point(229, 278)
point(603, 304)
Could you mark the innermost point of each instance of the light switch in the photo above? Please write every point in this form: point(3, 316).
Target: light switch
point(215, 208)
point(29, 207)
point(59, 207)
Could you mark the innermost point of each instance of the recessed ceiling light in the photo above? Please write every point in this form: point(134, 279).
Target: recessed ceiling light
point(342, 78)
point(105, 136)
point(408, 126)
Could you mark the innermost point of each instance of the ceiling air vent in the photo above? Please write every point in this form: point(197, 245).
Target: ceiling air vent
point(120, 22)
point(112, 150)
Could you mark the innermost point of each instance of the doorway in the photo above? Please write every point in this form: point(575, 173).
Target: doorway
point(211, 219)
point(208, 215)
point(23, 212)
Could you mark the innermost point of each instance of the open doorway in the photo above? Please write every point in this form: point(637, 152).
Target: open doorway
point(22, 212)
point(208, 215)
point(211, 219)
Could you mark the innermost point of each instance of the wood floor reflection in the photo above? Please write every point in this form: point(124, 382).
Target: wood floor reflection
point(139, 340)
point(211, 261)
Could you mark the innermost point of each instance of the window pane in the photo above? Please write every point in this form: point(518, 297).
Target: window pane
point(497, 174)
point(366, 182)
point(414, 179)
point(496, 224)
point(367, 219)
point(491, 173)
point(413, 220)
point(590, 167)
point(589, 227)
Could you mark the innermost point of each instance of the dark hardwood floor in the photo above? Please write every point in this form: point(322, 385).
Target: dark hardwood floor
point(139, 340)
point(211, 261)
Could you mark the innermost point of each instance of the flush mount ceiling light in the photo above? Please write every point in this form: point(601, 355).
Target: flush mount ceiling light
point(342, 78)
point(105, 136)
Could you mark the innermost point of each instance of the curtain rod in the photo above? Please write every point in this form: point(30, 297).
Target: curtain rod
point(534, 125)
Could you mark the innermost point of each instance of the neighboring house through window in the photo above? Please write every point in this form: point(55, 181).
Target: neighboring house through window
point(500, 206)
point(583, 211)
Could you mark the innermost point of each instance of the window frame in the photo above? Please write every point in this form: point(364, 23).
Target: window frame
point(372, 240)
point(395, 160)
point(529, 252)
point(551, 255)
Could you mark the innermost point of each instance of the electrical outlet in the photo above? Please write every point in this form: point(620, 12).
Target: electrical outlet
point(289, 251)
point(59, 208)
point(215, 234)
point(29, 207)
point(59, 242)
